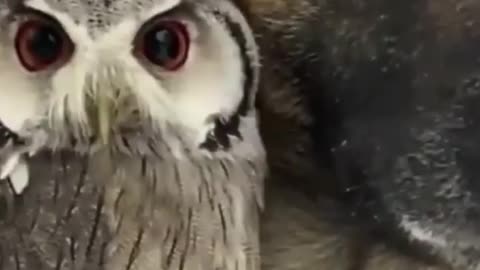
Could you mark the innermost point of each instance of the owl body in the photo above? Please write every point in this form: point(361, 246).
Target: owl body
point(149, 155)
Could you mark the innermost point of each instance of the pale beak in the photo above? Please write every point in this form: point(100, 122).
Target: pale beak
point(105, 108)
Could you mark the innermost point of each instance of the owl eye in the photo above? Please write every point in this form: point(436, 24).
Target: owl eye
point(165, 44)
point(40, 43)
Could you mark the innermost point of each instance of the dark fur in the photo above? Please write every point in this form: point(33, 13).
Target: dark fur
point(373, 105)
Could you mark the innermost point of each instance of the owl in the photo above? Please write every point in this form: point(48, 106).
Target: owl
point(153, 100)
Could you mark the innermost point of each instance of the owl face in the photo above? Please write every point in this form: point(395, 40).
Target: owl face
point(89, 70)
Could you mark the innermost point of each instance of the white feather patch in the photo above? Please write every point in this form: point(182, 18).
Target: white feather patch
point(19, 177)
point(17, 170)
point(9, 166)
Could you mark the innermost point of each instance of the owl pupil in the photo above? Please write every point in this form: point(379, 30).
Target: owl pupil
point(40, 43)
point(162, 44)
point(45, 44)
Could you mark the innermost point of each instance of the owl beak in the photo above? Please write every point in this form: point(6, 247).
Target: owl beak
point(104, 118)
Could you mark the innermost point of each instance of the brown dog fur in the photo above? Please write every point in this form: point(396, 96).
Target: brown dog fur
point(306, 226)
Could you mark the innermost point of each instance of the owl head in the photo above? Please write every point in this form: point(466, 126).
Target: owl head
point(82, 72)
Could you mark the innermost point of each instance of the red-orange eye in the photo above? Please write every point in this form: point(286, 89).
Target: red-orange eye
point(40, 43)
point(165, 44)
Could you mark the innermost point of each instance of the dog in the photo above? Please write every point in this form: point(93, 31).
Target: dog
point(371, 120)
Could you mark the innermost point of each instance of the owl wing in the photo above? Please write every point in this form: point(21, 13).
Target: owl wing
point(57, 222)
